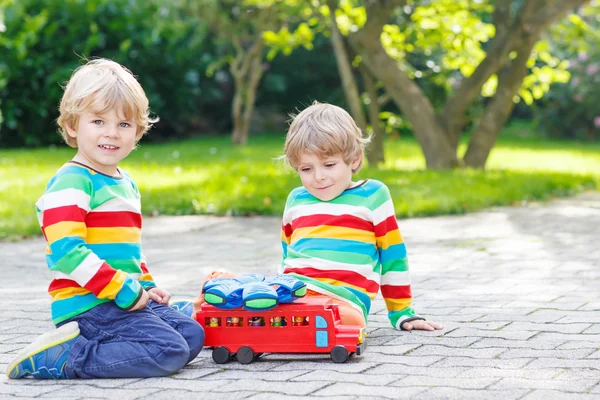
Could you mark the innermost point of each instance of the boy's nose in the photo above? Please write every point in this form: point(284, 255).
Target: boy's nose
point(320, 176)
point(111, 132)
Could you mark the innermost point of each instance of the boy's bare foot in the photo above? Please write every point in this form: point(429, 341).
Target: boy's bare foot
point(198, 301)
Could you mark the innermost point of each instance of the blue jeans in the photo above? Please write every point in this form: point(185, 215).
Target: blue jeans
point(154, 341)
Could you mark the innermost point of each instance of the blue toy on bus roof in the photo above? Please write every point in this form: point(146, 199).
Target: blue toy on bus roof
point(253, 291)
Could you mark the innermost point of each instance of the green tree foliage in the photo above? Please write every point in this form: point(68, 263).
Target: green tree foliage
point(45, 40)
point(570, 110)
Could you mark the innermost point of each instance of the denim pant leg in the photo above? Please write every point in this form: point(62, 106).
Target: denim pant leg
point(118, 344)
point(192, 331)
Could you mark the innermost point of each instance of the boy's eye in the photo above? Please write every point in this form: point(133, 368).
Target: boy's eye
point(124, 125)
point(97, 122)
point(305, 169)
point(329, 165)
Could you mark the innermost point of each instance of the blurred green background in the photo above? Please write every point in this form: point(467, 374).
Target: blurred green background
point(472, 103)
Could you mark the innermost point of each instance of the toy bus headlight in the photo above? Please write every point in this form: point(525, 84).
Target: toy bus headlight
point(361, 335)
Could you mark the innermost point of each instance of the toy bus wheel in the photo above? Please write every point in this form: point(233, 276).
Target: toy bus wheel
point(245, 355)
point(221, 355)
point(339, 354)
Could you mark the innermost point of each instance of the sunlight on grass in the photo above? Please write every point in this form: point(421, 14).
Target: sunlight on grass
point(210, 176)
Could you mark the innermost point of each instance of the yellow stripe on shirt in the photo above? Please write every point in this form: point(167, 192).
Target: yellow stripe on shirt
point(389, 239)
point(327, 231)
point(113, 235)
point(64, 229)
point(397, 304)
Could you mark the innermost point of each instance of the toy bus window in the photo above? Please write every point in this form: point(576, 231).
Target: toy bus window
point(235, 321)
point(256, 321)
point(299, 321)
point(278, 321)
point(212, 321)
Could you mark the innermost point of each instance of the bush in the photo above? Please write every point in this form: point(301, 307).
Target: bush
point(45, 40)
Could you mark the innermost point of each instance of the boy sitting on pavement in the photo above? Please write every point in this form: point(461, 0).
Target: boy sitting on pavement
point(112, 320)
point(341, 237)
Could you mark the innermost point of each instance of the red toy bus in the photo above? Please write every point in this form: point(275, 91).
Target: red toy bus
point(309, 325)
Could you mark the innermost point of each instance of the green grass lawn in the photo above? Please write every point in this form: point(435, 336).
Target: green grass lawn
point(210, 176)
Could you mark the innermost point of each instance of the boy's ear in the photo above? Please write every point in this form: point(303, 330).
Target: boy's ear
point(72, 132)
point(358, 161)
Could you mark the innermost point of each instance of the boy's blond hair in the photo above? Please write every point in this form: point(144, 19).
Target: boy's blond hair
point(324, 130)
point(99, 86)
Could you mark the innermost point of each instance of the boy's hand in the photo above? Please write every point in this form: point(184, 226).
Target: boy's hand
point(141, 303)
point(159, 295)
point(421, 325)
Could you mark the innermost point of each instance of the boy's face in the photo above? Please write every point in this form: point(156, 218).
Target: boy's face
point(103, 140)
point(325, 178)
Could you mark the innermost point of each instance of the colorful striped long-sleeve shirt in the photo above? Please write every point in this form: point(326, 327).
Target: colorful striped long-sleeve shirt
point(352, 242)
point(92, 224)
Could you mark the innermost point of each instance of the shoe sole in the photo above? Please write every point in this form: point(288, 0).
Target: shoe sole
point(47, 340)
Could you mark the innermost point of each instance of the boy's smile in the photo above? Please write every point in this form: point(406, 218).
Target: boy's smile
point(326, 178)
point(103, 140)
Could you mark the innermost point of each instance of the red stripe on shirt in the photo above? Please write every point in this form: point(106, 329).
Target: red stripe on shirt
point(109, 219)
point(101, 279)
point(62, 284)
point(345, 221)
point(395, 292)
point(349, 277)
point(387, 225)
point(287, 230)
point(71, 212)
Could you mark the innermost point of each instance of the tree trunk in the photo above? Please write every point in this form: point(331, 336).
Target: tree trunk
point(498, 110)
point(375, 151)
point(247, 71)
point(406, 94)
point(346, 75)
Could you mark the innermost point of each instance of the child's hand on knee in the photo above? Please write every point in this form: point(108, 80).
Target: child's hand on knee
point(421, 325)
point(141, 303)
point(159, 295)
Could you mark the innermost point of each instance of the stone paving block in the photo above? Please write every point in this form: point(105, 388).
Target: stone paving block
point(482, 362)
point(517, 344)
point(420, 361)
point(553, 336)
point(177, 394)
point(401, 370)
point(393, 350)
point(594, 329)
point(199, 385)
point(271, 396)
point(440, 341)
point(548, 327)
point(534, 353)
point(540, 373)
point(516, 335)
point(574, 386)
point(462, 383)
point(365, 378)
point(21, 388)
point(298, 388)
point(363, 391)
point(561, 363)
point(466, 394)
point(86, 391)
point(274, 376)
point(429, 350)
point(349, 368)
point(190, 372)
point(577, 373)
point(558, 395)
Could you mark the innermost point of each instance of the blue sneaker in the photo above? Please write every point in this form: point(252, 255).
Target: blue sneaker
point(46, 357)
point(185, 307)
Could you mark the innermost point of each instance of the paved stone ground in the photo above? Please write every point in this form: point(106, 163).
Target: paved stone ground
point(518, 290)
